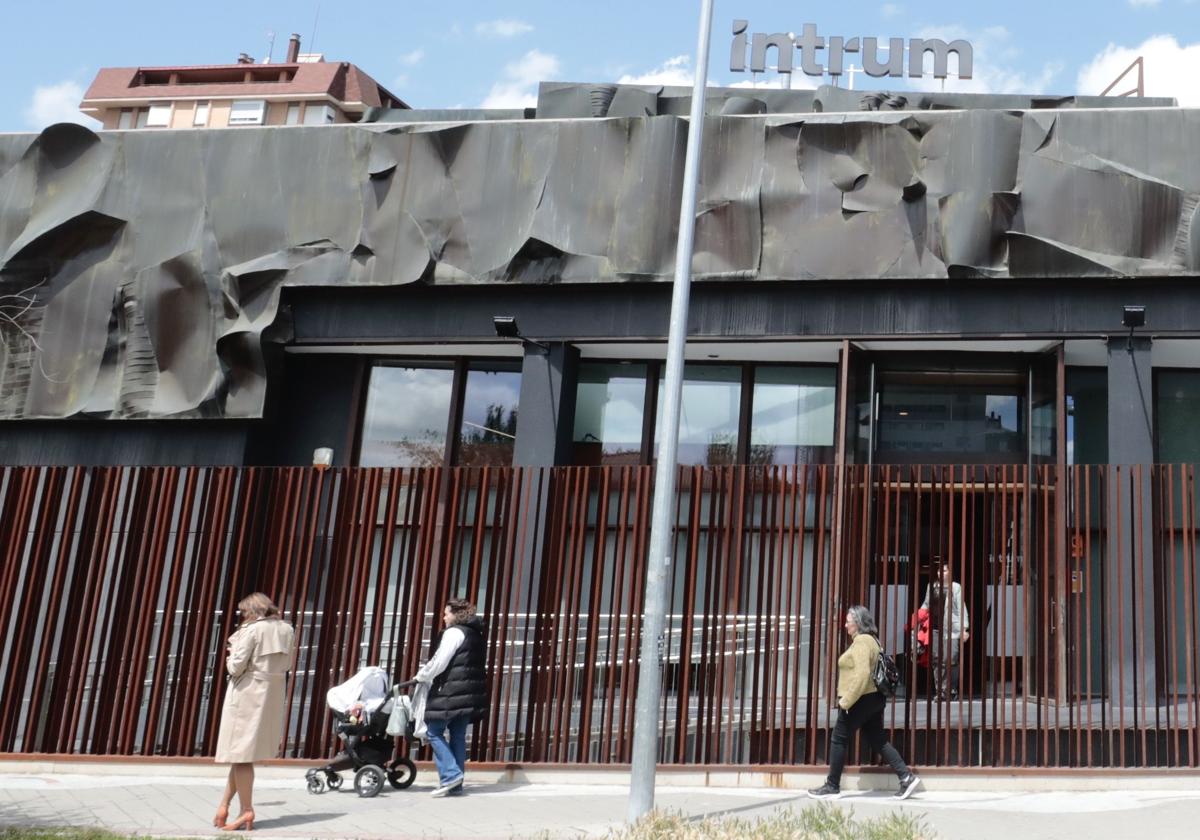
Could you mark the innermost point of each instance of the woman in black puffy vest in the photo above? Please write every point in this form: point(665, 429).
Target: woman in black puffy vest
point(458, 691)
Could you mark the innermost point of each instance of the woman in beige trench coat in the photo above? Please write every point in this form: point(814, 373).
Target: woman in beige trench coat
point(258, 658)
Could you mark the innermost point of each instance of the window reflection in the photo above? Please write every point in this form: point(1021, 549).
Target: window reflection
point(489, 425)
point(1087, 416)
point(408, 409)
point(708, 415)
point(951, 423)
point(793, 414)
point(609, 411)
point(1177, 407)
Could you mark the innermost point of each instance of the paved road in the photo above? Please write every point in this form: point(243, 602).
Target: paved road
point(183, 806)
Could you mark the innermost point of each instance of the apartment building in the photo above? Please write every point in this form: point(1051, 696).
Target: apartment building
point(305, 89)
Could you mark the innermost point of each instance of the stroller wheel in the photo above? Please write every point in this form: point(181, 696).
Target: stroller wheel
point(334, 780)
point(368, 781)
point(402, 773)
point(316, 784)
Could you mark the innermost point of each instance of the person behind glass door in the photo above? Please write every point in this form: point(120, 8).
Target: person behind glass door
point(949, 628)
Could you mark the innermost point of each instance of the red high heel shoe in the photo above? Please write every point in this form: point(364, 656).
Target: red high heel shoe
point(244, 822)
point(221, 818)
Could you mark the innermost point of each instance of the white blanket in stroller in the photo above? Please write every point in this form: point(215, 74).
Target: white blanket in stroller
point(370, 686)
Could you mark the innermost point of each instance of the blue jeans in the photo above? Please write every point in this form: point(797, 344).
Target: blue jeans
point(448, 738)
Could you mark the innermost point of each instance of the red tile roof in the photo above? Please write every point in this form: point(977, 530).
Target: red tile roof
point(342, 81)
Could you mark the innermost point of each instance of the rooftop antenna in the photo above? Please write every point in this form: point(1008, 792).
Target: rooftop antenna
point(312, 42)
point(1140, 90)
point(270, 46)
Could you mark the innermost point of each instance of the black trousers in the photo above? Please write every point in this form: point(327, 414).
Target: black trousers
point(867, 715)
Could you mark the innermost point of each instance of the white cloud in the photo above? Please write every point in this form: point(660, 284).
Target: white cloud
point(56, 103)
point(518, 88)
point(1171, 69)
point(678, 71)
point(891, 10)
point(994, 70)
point(673, 71)
point(775, 81)
point(502, 28)
point(1143, 4)
point(411, 59)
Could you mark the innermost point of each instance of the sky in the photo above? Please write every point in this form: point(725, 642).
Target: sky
point(473, 53)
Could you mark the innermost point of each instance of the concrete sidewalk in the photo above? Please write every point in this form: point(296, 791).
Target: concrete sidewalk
point(182, 805)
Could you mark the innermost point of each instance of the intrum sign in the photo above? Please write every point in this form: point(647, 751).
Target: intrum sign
point(810, 45)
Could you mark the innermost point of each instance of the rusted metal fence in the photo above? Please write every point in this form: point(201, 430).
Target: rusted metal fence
point(118, 588)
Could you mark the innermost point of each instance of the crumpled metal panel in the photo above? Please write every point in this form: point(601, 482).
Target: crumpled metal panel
point(156, 259)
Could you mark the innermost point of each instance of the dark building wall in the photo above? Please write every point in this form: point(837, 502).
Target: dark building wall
point(124, 442)
point(1050, 308)
point(314, 401)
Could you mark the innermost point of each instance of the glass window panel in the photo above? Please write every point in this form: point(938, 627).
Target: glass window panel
point(708, 416)
point(489, 426)
point(609, 409)
point(126, 119)
point(201, 115)
point(159, 115)
point(293, 114)
point(951, 423)
point(792, 411)
point(1087, 416)
point(143, 114)
point(1178, 406)
point(407, 412)
point(317, 114)
point(247, 112)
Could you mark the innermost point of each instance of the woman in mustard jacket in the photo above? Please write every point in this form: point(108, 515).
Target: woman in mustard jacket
point(259, 655)
point(860, 706)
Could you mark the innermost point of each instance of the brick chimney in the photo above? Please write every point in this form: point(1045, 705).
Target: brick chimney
point(293, 48)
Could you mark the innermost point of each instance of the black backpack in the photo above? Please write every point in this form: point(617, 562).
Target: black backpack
point(885, 674)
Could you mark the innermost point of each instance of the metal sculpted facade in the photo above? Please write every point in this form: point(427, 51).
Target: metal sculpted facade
point(144, 269)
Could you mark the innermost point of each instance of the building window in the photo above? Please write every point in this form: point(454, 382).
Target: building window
point(489, 415)
point(1087, 416)
point(410, 408)
point(143, 114)
point(610, 409)
point(708, 415)
point(317, 114)
point(159, 115)
point(730, 414)
point(930, 417)
point(247, 112)
point(201, 116)
point(125, 120)
point(293, 114)
point(793, 413)
point(407, 414)
point(1177, 404)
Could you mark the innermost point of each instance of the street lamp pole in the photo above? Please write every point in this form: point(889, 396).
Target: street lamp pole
point(662, 528)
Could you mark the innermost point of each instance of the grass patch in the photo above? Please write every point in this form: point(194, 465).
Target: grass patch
point(820, 822)
point(14, 833)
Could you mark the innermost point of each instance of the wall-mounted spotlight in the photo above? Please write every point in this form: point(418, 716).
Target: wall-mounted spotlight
point(1132, 317)
point(506, 327)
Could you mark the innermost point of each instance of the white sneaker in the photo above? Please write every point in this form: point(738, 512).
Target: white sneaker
point(444, 789)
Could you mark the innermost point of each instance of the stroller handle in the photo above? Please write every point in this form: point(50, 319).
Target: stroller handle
point(404, 684)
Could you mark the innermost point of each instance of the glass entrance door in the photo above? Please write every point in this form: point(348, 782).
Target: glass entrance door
point(968, 457)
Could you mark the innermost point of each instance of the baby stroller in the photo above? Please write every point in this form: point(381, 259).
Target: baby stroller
point(361, 707)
